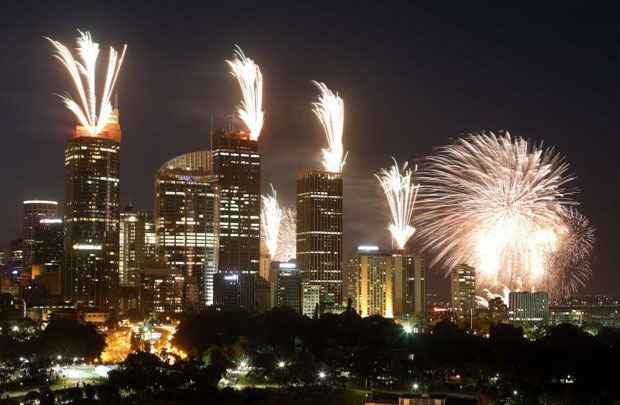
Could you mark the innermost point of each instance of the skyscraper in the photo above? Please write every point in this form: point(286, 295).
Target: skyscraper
point(415, 291)
point(187, 222)
point(92, 198)
point(34, 212)
point(319, 233)
point(463, 290)
point(236, 163)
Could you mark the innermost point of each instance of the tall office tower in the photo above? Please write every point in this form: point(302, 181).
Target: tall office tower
point(131, 246)
point(35, 211)
point(528, 307)
point(319, 233)
point(236, 162)
point(374, 282)
point(415, 292)
point(187, 222)
point(49, 245)
point(91, 216)
point(285, 284)
point(463, 290)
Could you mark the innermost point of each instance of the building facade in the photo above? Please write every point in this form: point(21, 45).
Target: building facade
point(49, 245)
point(528, 307)
point(242, 290)
point(132, 241)
point(285, 282)
point(91, 216)
point(34, 212)
point(236, 163)
point(320, 233)
point(463, 290)
point(161, 290)
point(310, 298)
point(187, 222)
point(374, 282)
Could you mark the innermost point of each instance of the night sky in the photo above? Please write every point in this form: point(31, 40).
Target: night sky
point(412, 78)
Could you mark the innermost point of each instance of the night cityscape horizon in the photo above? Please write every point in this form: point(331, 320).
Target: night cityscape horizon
point(290, 203)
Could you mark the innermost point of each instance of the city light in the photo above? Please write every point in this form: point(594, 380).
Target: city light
point(250, 80)
point(86, 109)
point(281, 364)
point(322, 375)
point(329, 109)
point(408, 329)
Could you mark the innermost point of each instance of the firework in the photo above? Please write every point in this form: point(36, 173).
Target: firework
point(270, 218)
point(570, 265)
point(83, 74)
point(400, 192)
point(287, 237)
point(329, 109)
point(250, 79)
point(496, 203)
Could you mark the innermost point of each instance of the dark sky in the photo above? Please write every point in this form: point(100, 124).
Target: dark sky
point(412, 78)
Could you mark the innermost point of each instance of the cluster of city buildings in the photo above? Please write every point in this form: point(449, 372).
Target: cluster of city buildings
point(201, 245)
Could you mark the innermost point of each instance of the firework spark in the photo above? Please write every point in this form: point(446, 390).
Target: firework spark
point(270, 218)
point(84, 70)
point(250, 79)
point(287, 237)
point(329, 109)
point(570, 266)
point(495, 202)
point(400, 191)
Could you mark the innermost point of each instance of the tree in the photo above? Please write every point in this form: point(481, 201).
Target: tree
point(69, 339)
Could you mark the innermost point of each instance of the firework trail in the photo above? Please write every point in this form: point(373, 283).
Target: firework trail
point(270, 218)
point(287, 237)
point(329, 109)
point(84, 70)
point(250, 79)
point(570, 266)
point(400, 192)
point(496, 203)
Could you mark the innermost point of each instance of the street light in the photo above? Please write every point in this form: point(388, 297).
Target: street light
point(415, 387)
point(408, 329)
point(322, 375)
point(281, 364)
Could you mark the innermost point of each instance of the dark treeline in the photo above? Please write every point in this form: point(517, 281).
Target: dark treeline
point(566, 364)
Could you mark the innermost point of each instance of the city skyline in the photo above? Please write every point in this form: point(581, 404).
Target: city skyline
point(363, 224)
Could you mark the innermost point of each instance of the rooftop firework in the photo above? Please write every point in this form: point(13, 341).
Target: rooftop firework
point(329, 109)
point(250, 80)
point(83, 74)
point(270, 218)
point(400, 191)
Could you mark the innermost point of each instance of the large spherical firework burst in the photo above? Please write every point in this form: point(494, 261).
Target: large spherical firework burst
point(497, 203)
